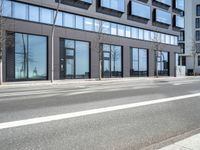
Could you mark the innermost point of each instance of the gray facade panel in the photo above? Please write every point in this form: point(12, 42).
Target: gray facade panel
point(126, 43)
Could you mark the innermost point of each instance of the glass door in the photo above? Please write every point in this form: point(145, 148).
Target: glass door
point(69, 63)
point(106, 64)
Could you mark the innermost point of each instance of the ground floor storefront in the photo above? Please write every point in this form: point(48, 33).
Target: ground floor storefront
point(29, 58)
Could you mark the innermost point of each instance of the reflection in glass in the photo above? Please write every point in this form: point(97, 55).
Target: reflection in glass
point(82, 59)
point(70, 68)
point(113, 29)
point(116, 61)
point(20, 11)
point(37, 57)
point(162, 59)
point(179, 22)
point(46, 15)
point(112, 61)
point(88, 24)
point(79, 22)
point(69, 20)
point(139, 62)
point(113, 4)
point(140, 10)
point(34, 13)
point(77, 59)
point(163, 17)
point(121, 30)
point(30, 57)
point(21, 56)
point(6, 9)
point(59, 20)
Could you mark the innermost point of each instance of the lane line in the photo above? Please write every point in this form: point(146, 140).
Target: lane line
point(7, 125)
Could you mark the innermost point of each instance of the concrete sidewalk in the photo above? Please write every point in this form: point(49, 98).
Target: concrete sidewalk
point(191, 143)
point(93, 81)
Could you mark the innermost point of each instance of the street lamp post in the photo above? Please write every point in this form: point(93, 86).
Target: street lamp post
point(52, 41)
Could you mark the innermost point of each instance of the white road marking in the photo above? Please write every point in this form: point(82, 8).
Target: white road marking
point(32, 121)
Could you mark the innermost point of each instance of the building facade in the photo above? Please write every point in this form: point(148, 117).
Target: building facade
point(190, 37)
point(130, 38)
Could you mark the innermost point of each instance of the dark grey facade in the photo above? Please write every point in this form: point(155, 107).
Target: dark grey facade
point(95, 11)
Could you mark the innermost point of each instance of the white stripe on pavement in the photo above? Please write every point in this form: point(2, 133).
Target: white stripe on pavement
point(32, 121)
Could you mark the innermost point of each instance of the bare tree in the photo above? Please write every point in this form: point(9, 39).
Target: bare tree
point(98, 45)
point(156, 46)
point(194, 53)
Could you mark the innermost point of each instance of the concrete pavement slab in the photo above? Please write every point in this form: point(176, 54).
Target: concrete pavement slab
point(191, 143)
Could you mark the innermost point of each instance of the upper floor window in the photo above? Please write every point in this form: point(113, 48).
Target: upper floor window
point(197, 35)
point(6, 8)
point(46, 15)
point(163, 17)
point(182, 36)
point(117, 5)
point(179, 22)
point(165, 2)
point(198, 60)
point(198, 10)
point(197, 23)
point(179, 4)
point(20, 11)
point(140, 10)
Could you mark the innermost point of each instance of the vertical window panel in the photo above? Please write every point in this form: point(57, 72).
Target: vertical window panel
point(34, 13)
point(69, 20)
point(46, 16)
point(20, 11)
point(79, 22)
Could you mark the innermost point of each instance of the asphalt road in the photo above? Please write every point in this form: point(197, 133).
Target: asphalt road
point(143, 125)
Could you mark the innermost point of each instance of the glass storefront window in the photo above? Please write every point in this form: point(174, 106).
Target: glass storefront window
point(37, 50)
point(82, 59)
point(139, 62)
point(30, 57)
point(112, 61)
point(162, 59)
point(77, 59)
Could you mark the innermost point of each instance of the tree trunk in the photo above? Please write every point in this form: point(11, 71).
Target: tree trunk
point(194, 66)
point(100, 69)
point(1, 72)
